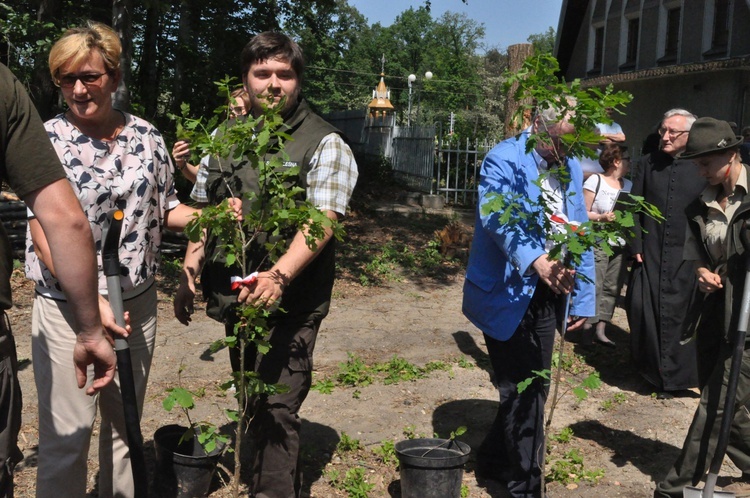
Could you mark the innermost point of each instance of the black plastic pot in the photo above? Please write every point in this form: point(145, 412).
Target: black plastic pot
point(183, 470)
point(431, 468)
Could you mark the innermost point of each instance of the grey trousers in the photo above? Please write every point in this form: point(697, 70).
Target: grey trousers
point(700, 443)
point(610, 277)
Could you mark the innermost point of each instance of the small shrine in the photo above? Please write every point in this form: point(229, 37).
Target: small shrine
point(380, 105)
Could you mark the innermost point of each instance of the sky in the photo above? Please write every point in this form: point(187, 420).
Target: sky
point(506, 22)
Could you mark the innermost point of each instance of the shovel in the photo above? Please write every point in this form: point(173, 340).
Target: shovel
point(729, 401)
point(111, 267)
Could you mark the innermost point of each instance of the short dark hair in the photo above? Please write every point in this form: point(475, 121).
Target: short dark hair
point(611, 152)
point(272, 45)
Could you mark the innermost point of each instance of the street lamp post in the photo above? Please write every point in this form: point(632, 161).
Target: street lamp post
point(411, 79)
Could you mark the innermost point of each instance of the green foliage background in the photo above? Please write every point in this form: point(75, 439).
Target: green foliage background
point(181, 47)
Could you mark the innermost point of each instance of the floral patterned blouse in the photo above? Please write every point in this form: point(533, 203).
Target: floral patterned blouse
point(133, 173)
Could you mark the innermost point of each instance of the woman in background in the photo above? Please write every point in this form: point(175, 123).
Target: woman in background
point(600, 193)
point(239, 103)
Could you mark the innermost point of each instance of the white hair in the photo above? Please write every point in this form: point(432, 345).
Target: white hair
point(553, 113)
point(689, 116)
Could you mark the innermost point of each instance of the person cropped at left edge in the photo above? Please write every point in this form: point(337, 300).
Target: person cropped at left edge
point(113, 160)
point(30, 166)
point(514, 294)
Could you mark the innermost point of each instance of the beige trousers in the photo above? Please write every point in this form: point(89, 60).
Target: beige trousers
point(66, 413)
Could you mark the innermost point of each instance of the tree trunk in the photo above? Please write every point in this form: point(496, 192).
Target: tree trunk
point(185, 40)
point(101, 11)
point(148, 73)
point(121, 23)
point(43, 90)
point(517, 54)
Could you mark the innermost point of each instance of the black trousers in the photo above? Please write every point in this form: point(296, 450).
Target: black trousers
point(274, 421)
point(514, 447)
point(10, 408)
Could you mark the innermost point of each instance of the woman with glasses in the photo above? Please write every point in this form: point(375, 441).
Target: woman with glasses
point(600, 192)
point(113, 160)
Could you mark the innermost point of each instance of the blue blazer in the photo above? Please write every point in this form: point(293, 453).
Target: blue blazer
point(498, 289)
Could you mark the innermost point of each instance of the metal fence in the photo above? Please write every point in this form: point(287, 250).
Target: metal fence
point(448, 168)
point(457, 168)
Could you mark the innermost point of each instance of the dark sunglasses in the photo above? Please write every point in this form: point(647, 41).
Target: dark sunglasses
point(88, 79)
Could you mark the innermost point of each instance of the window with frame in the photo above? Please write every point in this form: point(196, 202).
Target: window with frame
point(720, 36)
point(672, 40)
point(598, 48)
point(631, 48)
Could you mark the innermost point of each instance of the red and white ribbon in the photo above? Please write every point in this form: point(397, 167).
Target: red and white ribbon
point(238, 282)
point(563, 220)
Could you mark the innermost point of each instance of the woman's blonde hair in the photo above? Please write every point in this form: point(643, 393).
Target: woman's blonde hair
point(75, 46)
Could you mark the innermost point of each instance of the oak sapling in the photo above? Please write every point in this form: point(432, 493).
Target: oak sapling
point(278, 208)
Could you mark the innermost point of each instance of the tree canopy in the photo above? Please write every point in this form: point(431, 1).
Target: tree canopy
point(177, 49)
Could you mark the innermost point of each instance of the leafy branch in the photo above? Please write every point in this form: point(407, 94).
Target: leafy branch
point(539, 88)
point(207, 433)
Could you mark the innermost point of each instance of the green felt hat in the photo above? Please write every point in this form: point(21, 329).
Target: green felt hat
point(709, 136)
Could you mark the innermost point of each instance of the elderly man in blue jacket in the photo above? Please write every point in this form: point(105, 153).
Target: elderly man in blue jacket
point(515, 293)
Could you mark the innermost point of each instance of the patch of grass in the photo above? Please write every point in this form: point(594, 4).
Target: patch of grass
point(354, 372)
point(354, 483)
point(399, 370)
point(347, 444)
point(571, 469)
point(615, 400)
point(436, 365)
point(386, 452)
point(323, 386)
point(464, 362)
point(564, 436)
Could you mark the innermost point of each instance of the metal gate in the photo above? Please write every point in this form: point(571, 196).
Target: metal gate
point(447, 167)
point(413, 157)
point(457, 169)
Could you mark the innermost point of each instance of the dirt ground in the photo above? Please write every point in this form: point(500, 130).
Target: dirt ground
point(621, 430)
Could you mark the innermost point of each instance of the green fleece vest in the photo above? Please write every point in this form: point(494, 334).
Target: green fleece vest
point(308, 296)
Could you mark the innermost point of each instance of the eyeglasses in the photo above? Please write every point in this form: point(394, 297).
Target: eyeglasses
point(672, 133)
point(88, 79)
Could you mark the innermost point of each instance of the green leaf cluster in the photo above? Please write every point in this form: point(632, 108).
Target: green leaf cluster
point(538, 87)
point(208, 434)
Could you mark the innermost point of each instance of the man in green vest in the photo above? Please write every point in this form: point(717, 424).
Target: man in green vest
point(302, 279)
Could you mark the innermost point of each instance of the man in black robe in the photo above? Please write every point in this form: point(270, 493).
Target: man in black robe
point(663, 287)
